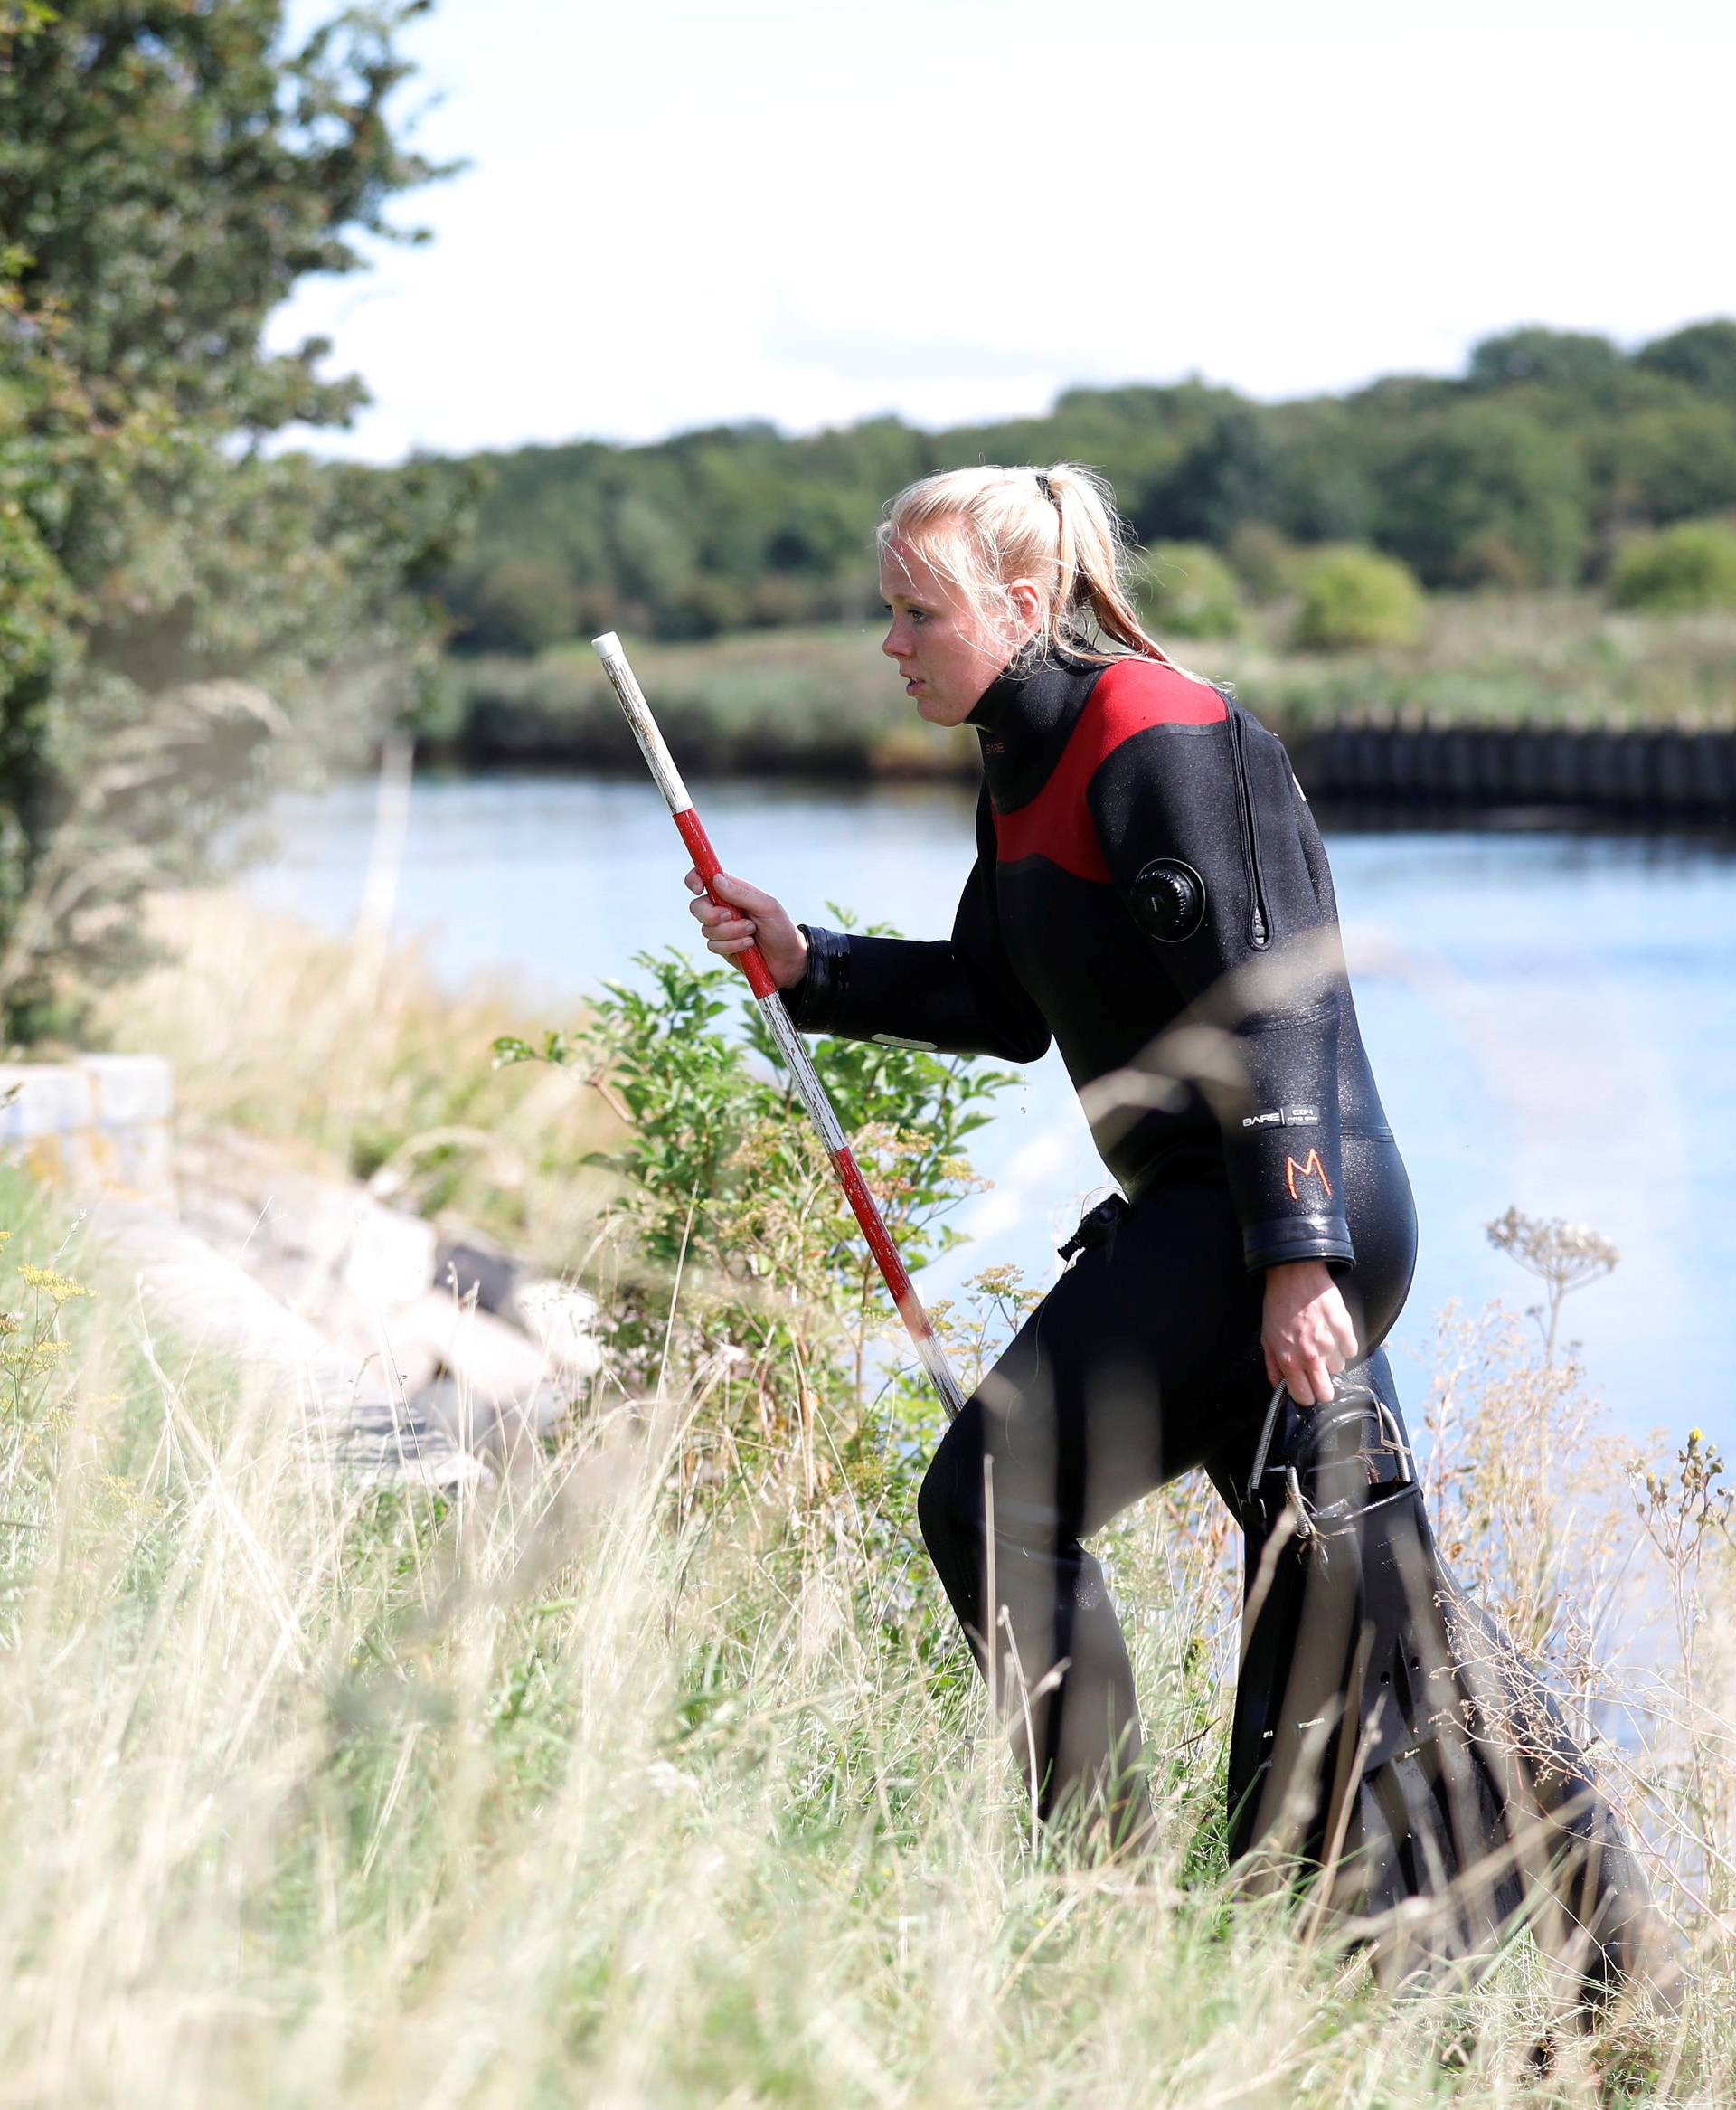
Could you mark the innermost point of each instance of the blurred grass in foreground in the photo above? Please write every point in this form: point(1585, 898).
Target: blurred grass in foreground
point(825, 702)
point(596, 1791)
point(637, 1783)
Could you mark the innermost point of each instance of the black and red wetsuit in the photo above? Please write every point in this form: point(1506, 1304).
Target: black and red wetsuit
point(1150, 890)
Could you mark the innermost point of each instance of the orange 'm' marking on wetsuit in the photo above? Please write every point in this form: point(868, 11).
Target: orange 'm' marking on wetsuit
point(1127, 697)
point(1293, 1172)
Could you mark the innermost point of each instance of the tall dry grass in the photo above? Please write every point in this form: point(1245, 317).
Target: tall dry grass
point(346, 1054)
point(587, 1791)
point(616, 1785)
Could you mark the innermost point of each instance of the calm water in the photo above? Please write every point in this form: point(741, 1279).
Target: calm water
point(1551, 1018)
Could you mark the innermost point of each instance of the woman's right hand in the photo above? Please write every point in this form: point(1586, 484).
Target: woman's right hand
point(749, 918)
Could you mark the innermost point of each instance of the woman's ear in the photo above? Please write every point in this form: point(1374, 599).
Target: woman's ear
point(1025, 601)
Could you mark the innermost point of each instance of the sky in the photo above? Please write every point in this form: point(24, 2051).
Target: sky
point(679, 214)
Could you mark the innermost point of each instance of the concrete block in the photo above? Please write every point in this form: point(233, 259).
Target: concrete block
point(496, 1388)
point(386, 1444)
point(97, 1121)
point(347, 1413)
point(43, 1099)
point(71, 1159)
point(42, 1158)
point(130, 1091)
point(142, 1158)
point(501, 1435)
point(407, 1356)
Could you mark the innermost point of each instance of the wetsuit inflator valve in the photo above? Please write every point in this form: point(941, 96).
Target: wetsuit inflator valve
point(1168, 900)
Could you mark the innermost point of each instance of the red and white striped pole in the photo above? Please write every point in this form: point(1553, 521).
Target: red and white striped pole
point(790, 1046)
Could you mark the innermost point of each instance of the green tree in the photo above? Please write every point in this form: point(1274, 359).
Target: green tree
point(1664, 465)
point(517, 602)
point(1230, 477)
point(1397, 399)
point(1577, 361)
point(1703, 355)
point(167, 173)
point(1483, 490)
point(1325, 491)
point(1502, 475)
point(1263, 559)
point(654, 551)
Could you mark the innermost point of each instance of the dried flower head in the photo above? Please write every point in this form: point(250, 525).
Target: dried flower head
point(1559, 1252)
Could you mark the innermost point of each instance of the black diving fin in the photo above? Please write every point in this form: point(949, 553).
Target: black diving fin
point(1388, 1737)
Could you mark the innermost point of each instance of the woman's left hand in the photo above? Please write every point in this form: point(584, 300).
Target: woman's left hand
point(1306, 1330)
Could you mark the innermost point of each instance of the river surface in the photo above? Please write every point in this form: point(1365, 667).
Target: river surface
point(1550, 1016)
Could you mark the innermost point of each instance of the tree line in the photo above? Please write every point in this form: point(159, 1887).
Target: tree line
point(1529, 470)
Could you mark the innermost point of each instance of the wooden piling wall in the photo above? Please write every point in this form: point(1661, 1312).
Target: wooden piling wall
point(1664, 772)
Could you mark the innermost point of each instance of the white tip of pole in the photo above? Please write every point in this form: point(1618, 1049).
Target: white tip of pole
point(606, 647)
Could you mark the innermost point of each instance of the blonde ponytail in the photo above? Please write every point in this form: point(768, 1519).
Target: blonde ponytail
point(982, 528)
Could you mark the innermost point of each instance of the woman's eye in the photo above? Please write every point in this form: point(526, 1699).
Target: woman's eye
point(918, 615)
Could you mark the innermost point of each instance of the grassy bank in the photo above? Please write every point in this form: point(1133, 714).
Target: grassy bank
point(823, 702)
point(601, 1790)
point(650, 1781)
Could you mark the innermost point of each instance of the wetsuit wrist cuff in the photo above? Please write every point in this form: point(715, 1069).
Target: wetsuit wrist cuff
point(1286, 1238)
point(810, 1002)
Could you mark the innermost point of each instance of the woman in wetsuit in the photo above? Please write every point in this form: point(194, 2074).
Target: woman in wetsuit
point(1151, 891)
point(1145, 862)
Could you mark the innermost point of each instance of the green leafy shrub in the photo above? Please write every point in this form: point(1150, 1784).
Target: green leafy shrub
point(1690, 566)
point(1263, 559)
point(1352, 597)
point(1189, 592)
point(743, 1265)
point(521, 604)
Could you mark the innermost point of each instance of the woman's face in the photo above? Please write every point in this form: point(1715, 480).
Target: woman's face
point(946, 651)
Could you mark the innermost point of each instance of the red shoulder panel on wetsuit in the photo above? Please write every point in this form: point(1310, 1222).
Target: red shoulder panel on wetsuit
point(1126, 698)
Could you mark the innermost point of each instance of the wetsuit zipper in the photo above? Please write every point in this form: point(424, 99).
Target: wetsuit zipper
point(1258, 932)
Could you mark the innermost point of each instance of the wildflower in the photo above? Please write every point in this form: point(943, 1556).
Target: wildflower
point(1568, 1253)
point(1565, 1257)
point(61, 1288)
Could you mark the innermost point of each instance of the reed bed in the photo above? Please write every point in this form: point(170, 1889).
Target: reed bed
point(821, 702)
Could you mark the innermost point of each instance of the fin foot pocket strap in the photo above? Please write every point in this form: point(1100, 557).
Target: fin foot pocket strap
point(1302, 1448)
